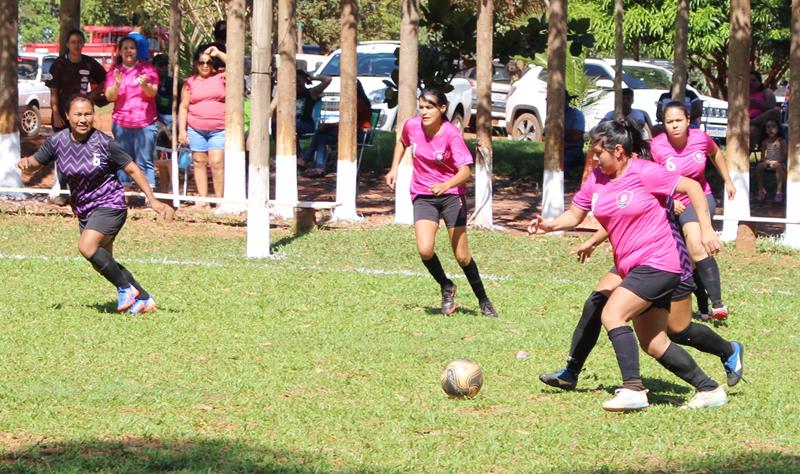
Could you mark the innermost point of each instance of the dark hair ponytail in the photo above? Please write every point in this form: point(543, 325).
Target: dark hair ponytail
point(624, 132)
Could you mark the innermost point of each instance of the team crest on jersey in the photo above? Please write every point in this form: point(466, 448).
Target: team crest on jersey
point(624, 199)
point(699, 156)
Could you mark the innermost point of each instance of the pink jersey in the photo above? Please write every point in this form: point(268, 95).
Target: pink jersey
point(133, 109)
point(631, 210)
point(435, 159)
point(206, 102)
point(689, 161)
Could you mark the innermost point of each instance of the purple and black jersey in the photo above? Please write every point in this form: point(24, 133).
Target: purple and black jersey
point(686, 262)
point(89, 168)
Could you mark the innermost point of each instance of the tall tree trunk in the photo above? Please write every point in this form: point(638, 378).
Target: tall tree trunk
point(792, 235)
point(285, 145)
point(483, 120)
point(174, 67)
point(346, 179)
point(258, 245)
point(9, 108)
point(406, 104)
point(619, 55)
point(235, 185)
point(69, 19)
point(737, 152)
point(553, 186)
point(681, 47)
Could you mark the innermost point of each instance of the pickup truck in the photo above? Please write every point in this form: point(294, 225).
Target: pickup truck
point(376, 61)
point(32, 70)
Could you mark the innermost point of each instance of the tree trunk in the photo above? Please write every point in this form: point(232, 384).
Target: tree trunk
point(737, 152)
point(406, 104)
point(792, 235)
point(346, 172)
point(174, 67)
point(619, 55)
point(553, 186)
point(235, 185)
point(681, 45)
point(285, 145)
point(483, 120)
point(69, 19)
point(9, 108)
point(258, 245)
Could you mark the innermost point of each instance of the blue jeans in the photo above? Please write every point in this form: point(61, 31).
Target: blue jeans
point(318, 150)
point(140, 143)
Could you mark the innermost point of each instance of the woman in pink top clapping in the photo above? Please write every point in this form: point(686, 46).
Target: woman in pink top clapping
point(441, 169)
point(626, 193)
point(201, 120)
point(132, 86)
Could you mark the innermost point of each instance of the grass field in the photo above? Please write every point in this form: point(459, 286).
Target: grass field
point(327, 359)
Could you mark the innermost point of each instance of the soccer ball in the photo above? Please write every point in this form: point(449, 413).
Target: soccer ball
point(462, 378)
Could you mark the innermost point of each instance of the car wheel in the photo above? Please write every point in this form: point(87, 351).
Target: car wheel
point(458, 121)
point(30, 121)
point(527, 127)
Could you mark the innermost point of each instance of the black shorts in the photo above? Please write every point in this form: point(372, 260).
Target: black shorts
point(690, 215)
point(655, 286)
point(684, 288)
point(105, 220)
point(450, 207)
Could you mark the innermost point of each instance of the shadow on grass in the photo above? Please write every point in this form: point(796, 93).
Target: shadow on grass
point(142, 455)
point(763, 461)
point(108, 307)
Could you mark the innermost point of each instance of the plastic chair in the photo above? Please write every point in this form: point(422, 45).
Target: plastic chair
point(185, 163)
point(368, 139)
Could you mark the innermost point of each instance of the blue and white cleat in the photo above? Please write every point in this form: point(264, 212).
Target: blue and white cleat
point(562, 379)
point(143, 306)
point(126, 297)
point(734, 365)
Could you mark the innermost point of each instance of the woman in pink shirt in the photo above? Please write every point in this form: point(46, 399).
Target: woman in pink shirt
point(626, 193)
point(441, 169)
point(201, 120)
point(685, 151)
point(132, 86)
point(763, 107)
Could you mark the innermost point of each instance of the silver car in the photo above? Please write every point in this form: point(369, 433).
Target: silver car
point(33, 69)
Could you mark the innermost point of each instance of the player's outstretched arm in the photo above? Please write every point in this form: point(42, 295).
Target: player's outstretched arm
point(28, 163)
point(566, 221)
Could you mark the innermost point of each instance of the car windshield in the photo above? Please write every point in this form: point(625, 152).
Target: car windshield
point(27, 68)
point(638, 77)
point(369, 64)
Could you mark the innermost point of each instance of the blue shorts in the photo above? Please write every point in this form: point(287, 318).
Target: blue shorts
point(204, 140)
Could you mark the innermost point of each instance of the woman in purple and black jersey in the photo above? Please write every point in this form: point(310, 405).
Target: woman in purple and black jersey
point(88, 161)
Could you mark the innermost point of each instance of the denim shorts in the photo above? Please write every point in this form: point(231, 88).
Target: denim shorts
point(204, 140)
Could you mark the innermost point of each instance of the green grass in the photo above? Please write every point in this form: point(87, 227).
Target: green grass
point(327, 358)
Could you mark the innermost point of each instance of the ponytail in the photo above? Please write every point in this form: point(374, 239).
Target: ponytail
point(624, 132)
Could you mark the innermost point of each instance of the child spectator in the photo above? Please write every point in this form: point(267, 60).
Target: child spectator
point(773, 157)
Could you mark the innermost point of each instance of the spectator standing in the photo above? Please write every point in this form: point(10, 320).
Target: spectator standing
point(307, 97)
point(164, 94)
point(638, 116)
point(763, 107)
point(201, 120)
point(132, 85)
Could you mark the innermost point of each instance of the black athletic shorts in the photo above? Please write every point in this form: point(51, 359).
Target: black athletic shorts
point(450, 207)
point(655, 286)
point(690, 215)
point(105, 220)
point(684, 288)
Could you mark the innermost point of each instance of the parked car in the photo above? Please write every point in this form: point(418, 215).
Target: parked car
point(501, 83)
point(32, 70)
point(375, 63)
point(526, 106)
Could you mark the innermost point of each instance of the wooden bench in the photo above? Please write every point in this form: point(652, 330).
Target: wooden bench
point(305, 213)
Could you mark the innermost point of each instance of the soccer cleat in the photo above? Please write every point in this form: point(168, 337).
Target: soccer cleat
point(714, 398)
point(143, 306)
point(720, 313)
point(126, 297)
point(704, 316)
point(734, 365)
point(487, 309)
point(562, 379)
point(627, 400)
point(448, 299)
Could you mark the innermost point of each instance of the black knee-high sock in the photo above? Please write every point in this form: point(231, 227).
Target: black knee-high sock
point(434, 266)
point(700, 294)
point(474, 279)
point(708, 271)
point(585, 335)
point(704, 339)
point(143, 295)
point(105, 264)
point(627, 352)
point(679, 362)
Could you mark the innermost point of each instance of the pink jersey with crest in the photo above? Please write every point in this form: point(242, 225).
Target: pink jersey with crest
point(630, 208)
point(689, 161)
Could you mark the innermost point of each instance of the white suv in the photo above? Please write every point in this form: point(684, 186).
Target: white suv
point(32, 70)
point(375, 62)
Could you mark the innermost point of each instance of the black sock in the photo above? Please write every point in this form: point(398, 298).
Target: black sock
point(434, 266)
point(474, 279)
point(585, 335)
point(708, 271)
point(627, 352)
point(143, 295)
point(704, 339)
point(680, 363)
point(105, 264)
point(701, 295)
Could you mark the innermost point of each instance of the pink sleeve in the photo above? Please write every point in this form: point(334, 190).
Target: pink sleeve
point(110, 77)
point(658, 180)
point(461, 154)
point(583, 198)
